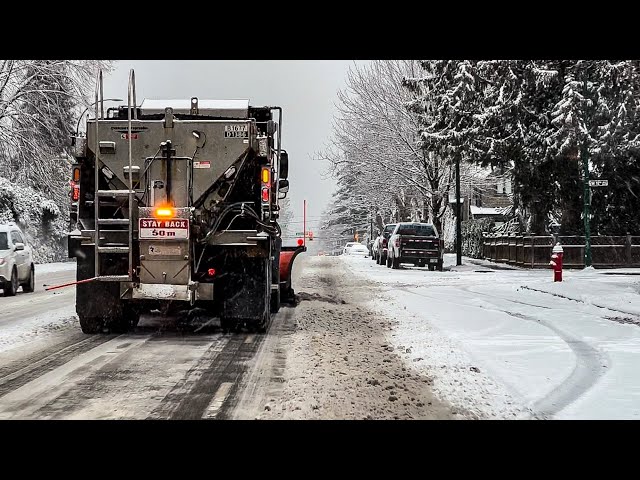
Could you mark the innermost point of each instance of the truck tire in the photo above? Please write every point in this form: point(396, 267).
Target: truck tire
point(262, 325)
point(11, 287)
point(90, 325)
point(30, 285)
point(395, 263)
point(98, 304)
point(127, 320)
point(440, 266)
point(388, 261)
point(275, 301)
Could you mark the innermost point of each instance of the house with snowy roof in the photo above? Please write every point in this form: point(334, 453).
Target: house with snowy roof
point(485, 193)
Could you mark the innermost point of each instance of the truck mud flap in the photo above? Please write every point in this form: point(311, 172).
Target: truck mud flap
point(287, 256)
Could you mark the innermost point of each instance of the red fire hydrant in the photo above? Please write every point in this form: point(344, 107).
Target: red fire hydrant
point(556, 262)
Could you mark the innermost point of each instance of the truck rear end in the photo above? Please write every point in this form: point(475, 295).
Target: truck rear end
point(417, 243)
point(178, 208)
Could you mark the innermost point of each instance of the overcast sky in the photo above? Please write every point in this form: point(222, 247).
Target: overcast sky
point(305, 89)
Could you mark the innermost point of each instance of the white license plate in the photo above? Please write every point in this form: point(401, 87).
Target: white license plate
point(433, 260)
point(174, 228)
point(164, 249)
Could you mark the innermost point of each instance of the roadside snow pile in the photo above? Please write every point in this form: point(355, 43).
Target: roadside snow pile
point(16, 335)
point(614, 290)
point(41, 220)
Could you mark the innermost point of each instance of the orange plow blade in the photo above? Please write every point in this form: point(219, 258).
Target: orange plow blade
point(287, 256)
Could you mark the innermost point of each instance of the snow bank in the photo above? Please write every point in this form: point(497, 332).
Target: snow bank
point(618, 291)
point(18, 334)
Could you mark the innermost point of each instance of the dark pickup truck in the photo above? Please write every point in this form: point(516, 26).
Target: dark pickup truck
point(416, 243)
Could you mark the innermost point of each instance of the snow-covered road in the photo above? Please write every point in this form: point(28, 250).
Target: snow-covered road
point(25, 316)
point(511, 343)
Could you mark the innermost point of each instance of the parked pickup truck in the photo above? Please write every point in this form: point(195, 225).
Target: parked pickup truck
point(416, 243)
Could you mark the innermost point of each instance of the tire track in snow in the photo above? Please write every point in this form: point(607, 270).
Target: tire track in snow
point(591, 364)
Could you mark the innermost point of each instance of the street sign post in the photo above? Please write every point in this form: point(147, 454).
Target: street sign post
point(598, 183)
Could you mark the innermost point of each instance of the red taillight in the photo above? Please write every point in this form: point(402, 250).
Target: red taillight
point(211, 272)
point(76, 192)
point(265, 194)
point(384, 242)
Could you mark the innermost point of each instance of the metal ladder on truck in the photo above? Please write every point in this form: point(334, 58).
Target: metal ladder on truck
point(101, 249)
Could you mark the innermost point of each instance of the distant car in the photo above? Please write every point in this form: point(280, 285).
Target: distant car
point(16, 261)
point(380, 244)
point(355, 248)
point(417, 243)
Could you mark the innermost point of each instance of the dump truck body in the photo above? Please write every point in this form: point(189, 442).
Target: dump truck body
point(182, 209)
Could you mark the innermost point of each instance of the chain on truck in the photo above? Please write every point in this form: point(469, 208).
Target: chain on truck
point(176, 205)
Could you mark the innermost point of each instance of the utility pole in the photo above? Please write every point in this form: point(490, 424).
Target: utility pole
point(587, 204)
point(458, 211)
point(586, 197)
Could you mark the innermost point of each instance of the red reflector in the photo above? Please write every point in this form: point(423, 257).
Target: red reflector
point(211, 272)
point(300, 242)
point(76, 192)
point(265, 194)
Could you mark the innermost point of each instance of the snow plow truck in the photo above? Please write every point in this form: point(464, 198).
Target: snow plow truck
point(175, 204)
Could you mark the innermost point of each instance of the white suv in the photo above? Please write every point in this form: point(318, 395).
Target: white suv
point(16, 261)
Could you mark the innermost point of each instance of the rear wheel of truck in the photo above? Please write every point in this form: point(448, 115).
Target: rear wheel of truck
point(91, 325)
point(98, 303)
point(262, 325)
point(395, 263)
point(275, 301)
point(432, 268)
point(440, 266)
point(127, 319)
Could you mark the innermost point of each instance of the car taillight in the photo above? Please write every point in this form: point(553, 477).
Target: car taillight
point(384, 242)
